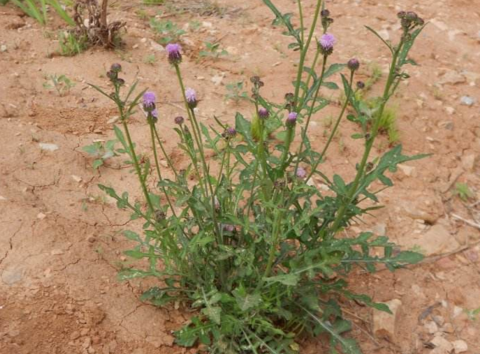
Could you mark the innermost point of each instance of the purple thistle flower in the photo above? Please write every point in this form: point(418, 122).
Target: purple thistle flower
point(149, 99)
point(179, 120)
point(174, 55)
point(326, 42)
point(292, 119)
point(191, 96)
point(263, 113)
point(301, 173)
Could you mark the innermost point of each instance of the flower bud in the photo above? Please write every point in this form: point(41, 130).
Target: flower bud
point(116, 68)
point(325, 13)
point(179, 120)
point(360, 85)
point(263, 113)
point(411, 16)
point(230, 132)
point(401, 14)
point(291, 119)
point(353, 64)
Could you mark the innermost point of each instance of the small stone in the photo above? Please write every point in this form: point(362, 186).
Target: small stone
point(56, 252)
point(468, 162)
point(460, 346)
point(157, 47)
point(3, 48)
point(75, 335)
point(457, 311)
point(431, 327)
point(3, 198)
point(384, 34)
point(409, 171)
point(439, 320)
point(450, 110)
point(48, 147)
point(448, 328)
point(443, 345)
point(135, 46)
point(41, 216)
point(217, 79)
point(77, 179)
point(453, 78)
point(384, 324)
point(467, 101)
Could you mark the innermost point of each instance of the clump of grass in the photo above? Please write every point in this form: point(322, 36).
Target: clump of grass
point(72, 43)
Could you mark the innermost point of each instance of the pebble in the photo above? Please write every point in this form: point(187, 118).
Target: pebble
point(460, 346)
point(384, 324)
point(48, 147)
point(467, 101)
point(457, 311)
point(56, 252)
point(431, 327)
point(453, 78)
point(3, 48)
point(442, 345)
point(450, 110)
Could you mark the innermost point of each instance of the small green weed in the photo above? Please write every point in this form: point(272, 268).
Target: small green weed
point(166, 31)
point(212, 50)
point(463, 191)
point(101, 151)
point(62, 84)
point(235, 92)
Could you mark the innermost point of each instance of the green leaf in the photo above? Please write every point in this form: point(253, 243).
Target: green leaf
point(246, 301)
point(389, 46)
point(285, 279)
point(333, 69)
point(213, 313)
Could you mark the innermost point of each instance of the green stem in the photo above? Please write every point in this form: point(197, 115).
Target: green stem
point(137, 165)
point(157, 165)
point(309, 77)
point(310, 113)
point(169, 161)
point(353, 189)
point(300, 12)
point(303, 54)
point(335, 128)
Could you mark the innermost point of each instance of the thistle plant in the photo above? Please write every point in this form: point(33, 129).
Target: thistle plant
point(247, 242)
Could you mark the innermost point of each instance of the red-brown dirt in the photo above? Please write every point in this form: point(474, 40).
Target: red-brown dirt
point(60, 242)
